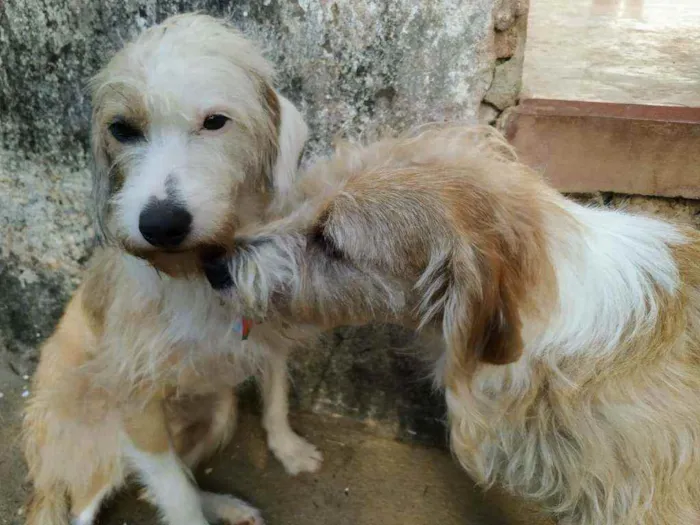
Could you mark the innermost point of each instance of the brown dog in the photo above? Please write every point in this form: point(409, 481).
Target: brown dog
point(570, 335)
point(191, 143)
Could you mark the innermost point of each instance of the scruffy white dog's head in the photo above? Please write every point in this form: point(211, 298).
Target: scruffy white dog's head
point(190, 140)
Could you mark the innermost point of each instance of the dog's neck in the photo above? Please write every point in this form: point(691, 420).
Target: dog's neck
point(609, 267)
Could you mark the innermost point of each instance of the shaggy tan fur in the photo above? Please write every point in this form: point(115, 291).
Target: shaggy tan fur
point(571, 361)
point(138, 376)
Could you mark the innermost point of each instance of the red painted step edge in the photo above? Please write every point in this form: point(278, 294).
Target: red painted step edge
point(584, 147)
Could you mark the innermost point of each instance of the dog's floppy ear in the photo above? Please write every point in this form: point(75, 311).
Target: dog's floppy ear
point(292, 133)
point(481, 320)
point(104, 183)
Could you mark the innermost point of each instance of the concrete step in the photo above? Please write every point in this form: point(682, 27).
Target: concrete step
point(585, 147)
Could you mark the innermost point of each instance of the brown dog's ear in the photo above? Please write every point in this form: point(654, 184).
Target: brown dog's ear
point(481, 321)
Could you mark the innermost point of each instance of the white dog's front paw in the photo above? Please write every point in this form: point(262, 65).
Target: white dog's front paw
point(222, 509)
point(295, 453)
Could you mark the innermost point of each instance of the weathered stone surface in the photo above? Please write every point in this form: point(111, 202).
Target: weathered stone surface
point(507, 42)
point(507, 12)
point(354, 68)
point(374, 374)
point(507, 77)
point(45, 237)
point(488, 113)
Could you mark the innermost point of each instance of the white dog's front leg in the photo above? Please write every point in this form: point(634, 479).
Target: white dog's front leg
point(168, 481)
point(169, 486)
point(294, 452)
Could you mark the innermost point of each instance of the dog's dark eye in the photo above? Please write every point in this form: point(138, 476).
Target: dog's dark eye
point(124, 132)
point(214, 122)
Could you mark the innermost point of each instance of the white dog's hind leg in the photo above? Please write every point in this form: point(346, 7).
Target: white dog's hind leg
point(294, 452)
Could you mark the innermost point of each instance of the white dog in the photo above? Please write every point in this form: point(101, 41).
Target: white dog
point(191, 142)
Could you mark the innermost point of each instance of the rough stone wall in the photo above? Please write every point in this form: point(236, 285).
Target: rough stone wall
point(355, 68)
point(510, 32)
point(361, 66)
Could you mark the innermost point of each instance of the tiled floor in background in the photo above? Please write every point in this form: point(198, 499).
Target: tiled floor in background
point(626, 51)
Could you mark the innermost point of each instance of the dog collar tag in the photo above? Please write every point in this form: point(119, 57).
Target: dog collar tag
point(242, 326)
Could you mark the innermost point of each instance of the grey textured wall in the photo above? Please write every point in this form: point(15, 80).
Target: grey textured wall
point(354, 67)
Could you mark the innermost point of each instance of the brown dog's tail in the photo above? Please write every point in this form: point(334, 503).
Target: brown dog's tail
point(48, 507)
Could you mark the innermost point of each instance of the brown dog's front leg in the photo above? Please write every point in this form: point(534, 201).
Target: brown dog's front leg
point(293, 451)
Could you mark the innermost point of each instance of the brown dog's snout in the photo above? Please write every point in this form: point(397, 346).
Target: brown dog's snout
point(165, 223)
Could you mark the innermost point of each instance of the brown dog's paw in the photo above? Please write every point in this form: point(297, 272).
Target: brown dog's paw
point(249, 521)
point(295, 453)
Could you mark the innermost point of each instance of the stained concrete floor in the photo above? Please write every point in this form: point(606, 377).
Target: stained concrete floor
point(623, 51)
point(366, 479)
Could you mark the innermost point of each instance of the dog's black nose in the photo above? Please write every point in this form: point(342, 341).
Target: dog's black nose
point(164, 223)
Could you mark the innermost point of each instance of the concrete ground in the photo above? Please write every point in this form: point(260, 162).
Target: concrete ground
point(366, 479)
point(623, 51)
